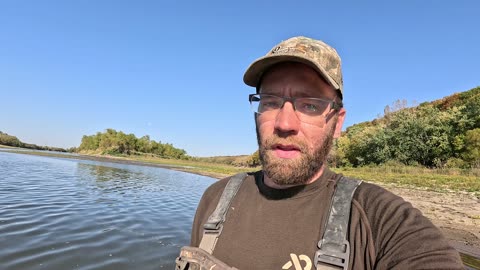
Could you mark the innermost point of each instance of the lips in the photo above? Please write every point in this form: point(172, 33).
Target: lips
point(286, 150)
point(286, 147)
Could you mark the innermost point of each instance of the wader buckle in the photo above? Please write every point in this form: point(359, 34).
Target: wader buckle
point(211, 233)
point(330, 257)
point(192, 258)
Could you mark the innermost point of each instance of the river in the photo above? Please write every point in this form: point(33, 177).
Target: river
point(78, 214)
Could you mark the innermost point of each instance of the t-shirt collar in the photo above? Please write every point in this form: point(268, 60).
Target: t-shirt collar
point(296, 191)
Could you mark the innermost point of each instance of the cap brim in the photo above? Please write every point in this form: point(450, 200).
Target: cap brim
point(256, 70)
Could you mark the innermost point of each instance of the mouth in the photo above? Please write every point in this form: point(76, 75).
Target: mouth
point(286, 150)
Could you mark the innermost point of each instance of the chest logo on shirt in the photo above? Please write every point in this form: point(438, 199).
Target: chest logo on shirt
point(295, 261)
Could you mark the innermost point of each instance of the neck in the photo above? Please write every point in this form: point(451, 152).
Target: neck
point(270, 183)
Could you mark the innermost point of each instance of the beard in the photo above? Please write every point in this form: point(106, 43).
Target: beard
point(297, 171)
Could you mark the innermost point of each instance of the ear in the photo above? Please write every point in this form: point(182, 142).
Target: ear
point(338, 126)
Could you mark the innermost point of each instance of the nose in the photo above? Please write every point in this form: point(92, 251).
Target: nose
point(287, 121)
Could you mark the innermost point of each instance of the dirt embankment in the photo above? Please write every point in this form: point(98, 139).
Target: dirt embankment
point(456, 214)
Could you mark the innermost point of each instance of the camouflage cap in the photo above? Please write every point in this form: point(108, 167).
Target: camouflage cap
point(315, 53)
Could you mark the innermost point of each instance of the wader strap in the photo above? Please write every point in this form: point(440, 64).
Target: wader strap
point(214, 225)
point(334, 248)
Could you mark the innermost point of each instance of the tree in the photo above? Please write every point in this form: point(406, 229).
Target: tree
point(254, 159)
point(117, 142)
point(339, 155)
point(472, 147)
point(9, 140)
point(369, 146)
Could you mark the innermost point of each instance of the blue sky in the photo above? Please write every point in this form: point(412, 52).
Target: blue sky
point(173, 69)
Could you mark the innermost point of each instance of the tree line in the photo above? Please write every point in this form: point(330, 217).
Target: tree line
point(13, 141)
point(117, 142)
point(442, 133)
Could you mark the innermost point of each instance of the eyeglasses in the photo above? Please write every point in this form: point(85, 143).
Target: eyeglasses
point(308, 110)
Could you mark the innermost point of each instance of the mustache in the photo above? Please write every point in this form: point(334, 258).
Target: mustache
point(272, 141)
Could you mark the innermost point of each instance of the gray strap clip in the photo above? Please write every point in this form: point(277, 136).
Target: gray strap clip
point(334, 258)
point(334, 248)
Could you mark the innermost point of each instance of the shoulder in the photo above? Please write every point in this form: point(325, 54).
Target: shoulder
point(369, 194)
point(380, 205)
point(219, 186)
point(213, 192)
point(386, 213)
point(206, 206)
point(400, 231)
point(216, 187)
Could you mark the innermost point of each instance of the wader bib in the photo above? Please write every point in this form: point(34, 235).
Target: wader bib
point(333, 249)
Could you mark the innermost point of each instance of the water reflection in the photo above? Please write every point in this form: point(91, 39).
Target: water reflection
point(69, 214)
point(108, 179)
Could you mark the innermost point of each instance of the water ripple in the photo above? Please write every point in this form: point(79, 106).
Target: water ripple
point(72, 214)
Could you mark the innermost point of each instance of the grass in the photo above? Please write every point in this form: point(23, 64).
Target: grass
point(435, 180)
point(207, 168)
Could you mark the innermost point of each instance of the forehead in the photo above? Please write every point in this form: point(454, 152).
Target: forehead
point(292, 78)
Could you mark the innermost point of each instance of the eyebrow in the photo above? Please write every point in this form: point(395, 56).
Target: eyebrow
point(299, 93)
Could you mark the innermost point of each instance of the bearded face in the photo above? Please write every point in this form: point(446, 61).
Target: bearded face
point(295, 171)
point(293, 145)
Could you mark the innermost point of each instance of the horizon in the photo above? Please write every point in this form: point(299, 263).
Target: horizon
point(174, 71)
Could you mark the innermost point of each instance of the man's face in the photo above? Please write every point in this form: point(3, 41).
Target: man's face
point(292, 151)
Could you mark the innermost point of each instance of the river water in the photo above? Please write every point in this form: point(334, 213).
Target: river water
point(74, 214)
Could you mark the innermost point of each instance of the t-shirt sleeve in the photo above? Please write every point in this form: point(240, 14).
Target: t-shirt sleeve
point(402, 237)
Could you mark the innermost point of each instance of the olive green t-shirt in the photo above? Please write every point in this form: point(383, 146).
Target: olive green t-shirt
point(268, 228)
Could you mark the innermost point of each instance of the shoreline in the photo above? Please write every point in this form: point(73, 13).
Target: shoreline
point(456, 214)
point(120, 160)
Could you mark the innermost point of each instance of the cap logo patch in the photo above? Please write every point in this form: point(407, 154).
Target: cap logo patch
point(276, 50)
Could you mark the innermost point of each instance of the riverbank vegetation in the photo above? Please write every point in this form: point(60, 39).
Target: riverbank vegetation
point(440, 180)
point(112, 142)
point(117, 143)
point(12, 141)
point(440, 134)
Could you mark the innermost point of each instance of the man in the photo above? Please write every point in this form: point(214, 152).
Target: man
point(278, 215)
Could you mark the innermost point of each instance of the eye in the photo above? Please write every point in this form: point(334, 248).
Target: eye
point(270, 103)
point(311, 106)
